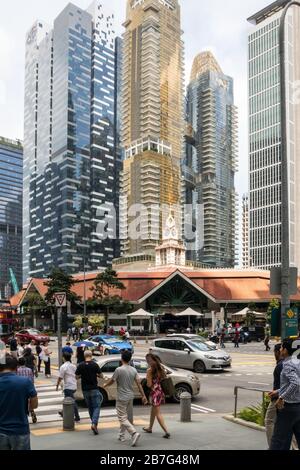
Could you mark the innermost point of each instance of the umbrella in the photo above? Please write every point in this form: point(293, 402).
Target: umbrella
point(189, 312)
point(243, 313)
point(140, 315)
point(83, 344)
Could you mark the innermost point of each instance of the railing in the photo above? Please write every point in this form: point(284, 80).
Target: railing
point(237, 388)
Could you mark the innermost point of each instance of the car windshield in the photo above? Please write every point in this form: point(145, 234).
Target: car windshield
point(34, 332)
point(112, 340)
point(196, 344)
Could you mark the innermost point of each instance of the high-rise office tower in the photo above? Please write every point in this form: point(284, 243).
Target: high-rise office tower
point(152, 121)
point(70, 183)
point(245, 232)
point(211, 161)
point(265, 135)
point(11, 184)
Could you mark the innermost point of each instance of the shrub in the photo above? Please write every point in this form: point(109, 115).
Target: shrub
point(255, 414)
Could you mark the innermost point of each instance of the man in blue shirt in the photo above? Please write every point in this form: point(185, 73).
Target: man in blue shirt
point(17, 397)
point(287, 398)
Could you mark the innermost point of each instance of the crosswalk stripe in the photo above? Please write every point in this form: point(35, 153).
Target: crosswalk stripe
point(204, 408)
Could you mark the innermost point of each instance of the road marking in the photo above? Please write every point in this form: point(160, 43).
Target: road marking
point(199, 410)
point(84, 427)
point(204, 408)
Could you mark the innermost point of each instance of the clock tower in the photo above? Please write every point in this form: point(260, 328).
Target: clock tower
point(172, 251)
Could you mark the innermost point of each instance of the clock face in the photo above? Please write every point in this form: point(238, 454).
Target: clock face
point(174, 233)
point(167, 233)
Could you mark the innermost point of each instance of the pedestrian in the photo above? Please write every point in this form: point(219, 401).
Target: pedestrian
point(271, 414)
point(20, 349)
point(67, 349)
point(81, 333)
point(67, 375)
point(17, 397)
point(13, 346)
point(266, 341)
point(222, 339)
point(89, 372)
point(126, 377)
point(127, 336)
point(74, 329)
point(155, 375)
point(69, 334)
point(80, 354)
point(287, 399)
point(38, 351)
point(31, 345)
point(23, 370)
point(45, 356)
point(29, 359)
point(236, 338)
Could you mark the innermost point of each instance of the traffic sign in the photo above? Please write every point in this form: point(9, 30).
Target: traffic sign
point(60, 299)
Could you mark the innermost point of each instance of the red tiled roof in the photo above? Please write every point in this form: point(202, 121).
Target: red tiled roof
point(220, 285)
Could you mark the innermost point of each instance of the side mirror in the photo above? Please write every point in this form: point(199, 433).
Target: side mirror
point(187, 350)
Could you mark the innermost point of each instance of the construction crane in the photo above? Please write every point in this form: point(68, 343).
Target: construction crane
point(13, 281)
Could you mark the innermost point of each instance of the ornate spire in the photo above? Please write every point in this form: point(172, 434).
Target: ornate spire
point(203, 62)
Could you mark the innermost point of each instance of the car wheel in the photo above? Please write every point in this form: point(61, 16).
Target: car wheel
point(106, 352)
point(179, 389)
point(259, 340)
point(199, 367)
point(105, 397)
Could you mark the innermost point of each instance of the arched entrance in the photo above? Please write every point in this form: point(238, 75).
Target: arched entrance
point(174, 297)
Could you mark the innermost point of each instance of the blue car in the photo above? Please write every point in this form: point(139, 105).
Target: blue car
point(107, 345)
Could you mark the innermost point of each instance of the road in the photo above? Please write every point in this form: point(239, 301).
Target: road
point(252, 367)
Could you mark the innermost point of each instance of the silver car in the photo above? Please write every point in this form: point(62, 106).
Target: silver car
point(183, 380)
point(191, 336)
point(190, 354)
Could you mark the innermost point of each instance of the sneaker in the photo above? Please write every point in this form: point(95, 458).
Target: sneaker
point(121, 438)
point(135, 439)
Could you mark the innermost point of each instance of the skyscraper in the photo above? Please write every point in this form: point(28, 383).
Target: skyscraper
point(245, 232)
point(265, 135)
point(11, 184)
point(70, 183)
point(152, 120)
point(211, 161)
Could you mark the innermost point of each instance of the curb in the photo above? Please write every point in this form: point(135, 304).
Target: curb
point(244, 423)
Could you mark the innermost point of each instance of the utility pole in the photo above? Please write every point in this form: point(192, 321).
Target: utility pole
point(59, 336)
point(60, 302)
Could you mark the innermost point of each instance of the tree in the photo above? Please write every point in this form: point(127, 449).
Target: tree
point(34, 303)
point(102, 297)
point(60, 281)
point(96, 321)
point(273, 305)
point(104, 282)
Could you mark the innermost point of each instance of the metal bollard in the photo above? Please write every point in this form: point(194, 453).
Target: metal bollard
point(185, 407)
point(68, 414)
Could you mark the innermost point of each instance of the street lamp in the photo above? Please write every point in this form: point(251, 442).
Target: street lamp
point(285, 219)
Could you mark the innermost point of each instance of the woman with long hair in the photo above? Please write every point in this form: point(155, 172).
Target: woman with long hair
point(155, 375)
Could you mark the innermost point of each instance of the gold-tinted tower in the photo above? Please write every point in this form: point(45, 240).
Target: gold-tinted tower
point(152, 114)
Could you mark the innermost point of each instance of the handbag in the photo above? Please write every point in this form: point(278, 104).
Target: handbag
point(167, 386)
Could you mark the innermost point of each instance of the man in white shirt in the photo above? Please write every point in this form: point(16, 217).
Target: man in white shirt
point(67, 375)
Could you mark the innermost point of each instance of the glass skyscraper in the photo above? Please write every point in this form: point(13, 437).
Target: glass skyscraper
point(11, 184)
point(265, 135)
point(211, 162)
point(70, 184)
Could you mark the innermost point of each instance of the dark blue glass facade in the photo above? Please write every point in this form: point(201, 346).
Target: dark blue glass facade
point(72, 192)
point(211, 162)
point(11, 184)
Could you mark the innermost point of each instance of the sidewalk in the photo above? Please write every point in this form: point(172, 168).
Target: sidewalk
point(208, 432)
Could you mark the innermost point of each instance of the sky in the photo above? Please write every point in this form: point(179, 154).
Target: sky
point(219, 26)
